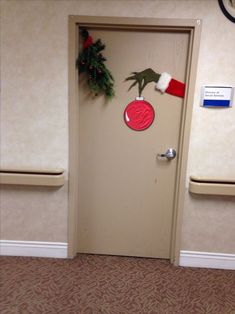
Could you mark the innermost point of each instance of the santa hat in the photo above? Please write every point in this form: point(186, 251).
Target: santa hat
point(166, 84)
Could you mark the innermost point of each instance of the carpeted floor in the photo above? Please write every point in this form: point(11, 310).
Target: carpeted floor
point(92, 284)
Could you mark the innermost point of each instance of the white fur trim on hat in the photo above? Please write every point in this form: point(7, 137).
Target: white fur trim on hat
point(163, 82)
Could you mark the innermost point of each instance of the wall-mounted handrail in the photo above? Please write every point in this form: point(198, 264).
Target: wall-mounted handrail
point(212, 185)
point(36, 177)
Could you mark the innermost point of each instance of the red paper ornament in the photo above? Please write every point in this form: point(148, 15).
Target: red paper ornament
point(139, 114)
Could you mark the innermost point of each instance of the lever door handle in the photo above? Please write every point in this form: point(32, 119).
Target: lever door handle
point(169, 154)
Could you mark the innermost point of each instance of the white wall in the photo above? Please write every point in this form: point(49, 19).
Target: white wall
point(34, 113)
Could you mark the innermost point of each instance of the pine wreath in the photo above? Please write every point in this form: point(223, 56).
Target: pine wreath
point(91, 61)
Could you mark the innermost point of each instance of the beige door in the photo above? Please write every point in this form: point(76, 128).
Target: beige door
point(126, 193)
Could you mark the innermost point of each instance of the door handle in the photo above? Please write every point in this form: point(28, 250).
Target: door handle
point(169, 154)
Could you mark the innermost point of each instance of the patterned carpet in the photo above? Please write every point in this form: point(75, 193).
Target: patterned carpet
point(92, 284)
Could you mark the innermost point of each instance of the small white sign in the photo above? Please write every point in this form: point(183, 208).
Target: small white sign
point(217, 96)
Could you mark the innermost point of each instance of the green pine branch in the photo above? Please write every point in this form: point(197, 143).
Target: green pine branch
point(91, 62)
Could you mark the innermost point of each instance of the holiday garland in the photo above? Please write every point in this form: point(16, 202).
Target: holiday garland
point(91, 62)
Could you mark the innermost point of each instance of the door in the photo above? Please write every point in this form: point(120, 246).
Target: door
point(126, 192)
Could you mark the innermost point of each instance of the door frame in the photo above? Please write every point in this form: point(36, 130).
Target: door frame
point(193, 28)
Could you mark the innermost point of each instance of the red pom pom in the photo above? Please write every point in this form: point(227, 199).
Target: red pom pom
point(88, 42)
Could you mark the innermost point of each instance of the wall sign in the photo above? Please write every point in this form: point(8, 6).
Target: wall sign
point(217, 96)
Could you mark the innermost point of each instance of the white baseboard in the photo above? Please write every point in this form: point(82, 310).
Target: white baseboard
point(59, 250)
point(207, 260)
point(33, 248)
